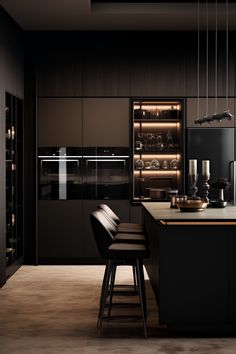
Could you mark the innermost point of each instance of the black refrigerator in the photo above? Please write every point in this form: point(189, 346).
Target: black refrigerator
point(218, 146)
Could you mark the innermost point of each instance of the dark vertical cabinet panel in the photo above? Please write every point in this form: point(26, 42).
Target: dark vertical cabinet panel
point(59, 231)
point(158, 66)
point(232, 276)
point(11, 80)
point(106, 122)
point(195, 290)
point(59, 69)
point(59, 121)
point(106, 68)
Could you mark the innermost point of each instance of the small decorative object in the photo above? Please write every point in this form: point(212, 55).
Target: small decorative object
point(192, 167)
point(221, 184)
point(139, 164)
point(191, 205)
point(155, 164)
point(206, 177)
point(193, 186)
point(174, 164)
point(165, 165)
point(193, 178)
point(148, 165)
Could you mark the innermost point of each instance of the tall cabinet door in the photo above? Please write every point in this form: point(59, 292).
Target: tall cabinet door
point(59, 122)
point(106, 122)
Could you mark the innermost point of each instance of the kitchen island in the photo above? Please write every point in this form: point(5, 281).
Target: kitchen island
point(192, 266)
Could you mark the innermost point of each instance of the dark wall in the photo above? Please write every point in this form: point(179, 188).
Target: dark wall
point(12, 80)
point(130, 64)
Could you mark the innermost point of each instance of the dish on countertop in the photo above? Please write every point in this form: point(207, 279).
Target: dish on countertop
point(191, 205)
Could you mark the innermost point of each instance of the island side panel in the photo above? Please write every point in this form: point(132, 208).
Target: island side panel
point(232, 275)
point(193, 286)
point(188, 270)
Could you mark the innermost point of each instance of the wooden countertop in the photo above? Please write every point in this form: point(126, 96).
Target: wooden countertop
point(165, 215)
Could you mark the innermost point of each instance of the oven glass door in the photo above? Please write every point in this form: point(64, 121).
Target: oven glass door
point(60, 178)
point(106, 178)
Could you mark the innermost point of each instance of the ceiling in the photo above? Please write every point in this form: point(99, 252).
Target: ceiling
point(81, 15)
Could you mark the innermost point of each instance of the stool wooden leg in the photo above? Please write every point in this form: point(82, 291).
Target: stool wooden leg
point(113, 275)
point(105, 289)
point(141, 291)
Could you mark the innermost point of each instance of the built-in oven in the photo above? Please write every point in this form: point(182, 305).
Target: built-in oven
point(60, 173)
point(106, 173)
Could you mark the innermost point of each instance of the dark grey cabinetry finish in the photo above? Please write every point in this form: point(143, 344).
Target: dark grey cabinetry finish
point(136, 214)
point(60, 230)
point(192, 269)
point(192, 111)
point(158, 68)
point(59, 69)
point(120, 207)
point(106, 122)
point(59, 122)
point(232, 276)
point(106, 69)
point(64, 231)
point(195, 289)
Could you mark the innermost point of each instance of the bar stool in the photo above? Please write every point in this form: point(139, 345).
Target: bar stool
point(117, 254)
point(122, 227)
point(119, 236)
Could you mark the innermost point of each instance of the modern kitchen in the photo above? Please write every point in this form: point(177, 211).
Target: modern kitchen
point(118, 178)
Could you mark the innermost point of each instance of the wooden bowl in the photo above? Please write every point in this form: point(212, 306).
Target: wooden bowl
point(191, 205)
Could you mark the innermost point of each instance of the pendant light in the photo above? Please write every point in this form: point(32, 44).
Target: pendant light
point(226, 115)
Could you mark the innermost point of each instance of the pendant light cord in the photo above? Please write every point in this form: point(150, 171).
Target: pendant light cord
point(227, 55)
point(216, 55)
point(207, 50)
point(198, 59)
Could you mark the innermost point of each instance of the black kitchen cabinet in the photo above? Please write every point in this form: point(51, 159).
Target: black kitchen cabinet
point(59, 122)
point(59, 69)
point(60, 230)
point(232, 276)
point(14, 183)
point(106, 122)
point(158, 68)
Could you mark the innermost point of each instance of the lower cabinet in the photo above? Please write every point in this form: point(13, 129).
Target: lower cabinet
point(65, 234)
point(60, 230)
point(232, 275)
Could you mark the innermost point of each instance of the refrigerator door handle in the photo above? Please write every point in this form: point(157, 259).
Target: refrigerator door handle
point(232, 171)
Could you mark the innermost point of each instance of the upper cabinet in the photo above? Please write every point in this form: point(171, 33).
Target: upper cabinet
point(158, 67)
point(105, 122)
point(59, 71)
point(59, 121)
point(106, 68)
point(192, 112)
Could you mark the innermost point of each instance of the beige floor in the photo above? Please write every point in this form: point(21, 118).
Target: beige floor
point(53, 309)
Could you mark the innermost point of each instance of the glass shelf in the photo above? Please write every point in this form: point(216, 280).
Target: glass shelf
point(157, 140)
point(14, 181)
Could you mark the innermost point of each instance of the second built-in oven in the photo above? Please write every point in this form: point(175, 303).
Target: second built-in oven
point(106, 173)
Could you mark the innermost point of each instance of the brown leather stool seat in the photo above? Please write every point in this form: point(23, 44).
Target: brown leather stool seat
point(125, 227)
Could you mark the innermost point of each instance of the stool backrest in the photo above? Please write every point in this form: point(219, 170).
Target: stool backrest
point(102, 232)
point(110, 213)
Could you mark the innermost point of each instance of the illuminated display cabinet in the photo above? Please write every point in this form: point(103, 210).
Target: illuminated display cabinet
point(158, 145)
